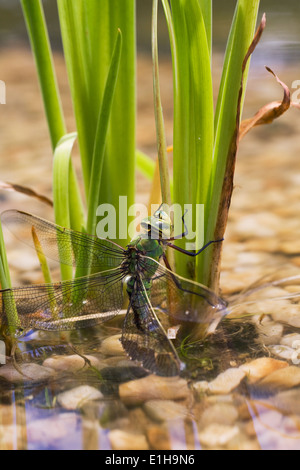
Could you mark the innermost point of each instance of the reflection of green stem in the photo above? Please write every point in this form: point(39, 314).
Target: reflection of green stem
point(46, 273)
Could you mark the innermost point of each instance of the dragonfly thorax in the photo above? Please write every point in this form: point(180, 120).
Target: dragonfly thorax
point(141, 246)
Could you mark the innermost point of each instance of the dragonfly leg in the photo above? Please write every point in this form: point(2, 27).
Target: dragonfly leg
point(178, 283)
point(190, 253)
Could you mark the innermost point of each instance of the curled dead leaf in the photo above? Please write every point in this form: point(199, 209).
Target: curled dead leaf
point(269, 112)
point(25, 190)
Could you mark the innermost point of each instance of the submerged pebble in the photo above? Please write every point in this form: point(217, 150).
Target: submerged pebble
point(292, 340)
point(112, 346)
point(73, 363)
point(226, 381)
point(77, 397)
point(122, 440)
point(220, 413)
point(123, 374)
point(46, 431)
point(282, 351)
point(218, 435)
point(165, 410)
point(283, 379)
point(287, 402)
point(290, 314)
point(30, 372)
point(261, 367)
point(153, 387)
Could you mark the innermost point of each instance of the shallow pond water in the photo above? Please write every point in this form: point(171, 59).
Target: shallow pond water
point(240, 390)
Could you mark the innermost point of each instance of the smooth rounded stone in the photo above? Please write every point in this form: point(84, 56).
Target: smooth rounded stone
point(165, 410)
point(220, 413)
point(122, 440)
point(292, 340)
point(261, 367)
point(201, 387)
point(112, 346)
point(77, 397)
point(218, 435)
point(289, 314)
point(72, 363)
point(32, 372)
point(213, 399)
point(123, 374)
point(45, 431)
point(153, 387)
point(283, 379)
point(270, 332)
point(288, 402)
point(159, 438)
point(226, 381)
point(284, 352)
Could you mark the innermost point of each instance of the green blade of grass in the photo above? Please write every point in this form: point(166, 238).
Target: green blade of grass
point(241, 35)
point(39, 39)
point(72, 30)
point(68, 208)
point(7, 297)
point(159, 120)
point(206, 8)
point(193, 109)
point(101, 133)
point(145, 165)
point(119, 162)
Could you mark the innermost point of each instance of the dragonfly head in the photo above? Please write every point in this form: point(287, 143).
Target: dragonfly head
point(159, 225)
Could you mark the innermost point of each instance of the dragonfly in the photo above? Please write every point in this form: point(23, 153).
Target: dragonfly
point(132, 275)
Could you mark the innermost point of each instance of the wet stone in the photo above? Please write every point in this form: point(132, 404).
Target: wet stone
point(112, 346)
point(226, 381)
point(292, 340)
point(290, 314)
point(287, 402)
point(159, 438)
point(73, 363)
point(261, 367)
point(165, 410)
point(220, 413)
point(281, 379)
point(123, 374)
point(46, 431)
point(32, 373)
point(153, 387)
point(218, 435)
point(122, 440)
point(284, 352)
point(78, 397)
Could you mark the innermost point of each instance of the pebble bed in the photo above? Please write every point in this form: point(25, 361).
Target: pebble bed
point(251, 400)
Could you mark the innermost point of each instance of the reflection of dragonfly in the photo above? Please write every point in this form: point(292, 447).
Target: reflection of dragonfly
point(93, 299)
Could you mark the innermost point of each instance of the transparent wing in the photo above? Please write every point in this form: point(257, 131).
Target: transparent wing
point(145, 340)
point(66, 305)
point(60, 244)
point(182, 299)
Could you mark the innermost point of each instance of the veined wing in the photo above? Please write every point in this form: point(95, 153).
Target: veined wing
point(64, 245)
point(65, 305)
point(183, 299)
point(144, 339)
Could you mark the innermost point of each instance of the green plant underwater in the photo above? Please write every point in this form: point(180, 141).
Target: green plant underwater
point(99, 42)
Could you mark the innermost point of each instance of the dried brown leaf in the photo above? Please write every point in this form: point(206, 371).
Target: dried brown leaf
point(25, 190)
point(269, 112)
